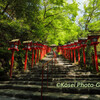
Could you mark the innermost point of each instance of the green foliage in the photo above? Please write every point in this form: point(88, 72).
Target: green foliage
point(89, 53)
point(46, 21)
point(91, 18)
point(4, 60)
point(58, 21)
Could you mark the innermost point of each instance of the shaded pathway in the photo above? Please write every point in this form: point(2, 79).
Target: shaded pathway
point(66, 82)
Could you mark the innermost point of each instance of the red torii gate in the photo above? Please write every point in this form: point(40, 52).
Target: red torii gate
point(83, 45)
point(77, 46)
point(94, 42)
point(40, 51)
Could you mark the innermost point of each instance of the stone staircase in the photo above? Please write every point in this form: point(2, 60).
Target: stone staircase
point(66, 82)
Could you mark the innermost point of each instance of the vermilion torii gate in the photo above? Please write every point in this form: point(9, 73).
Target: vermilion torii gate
point(40, 51)
point(82, 42)
point(94, 42)
point(67, 50)
point(77, 46)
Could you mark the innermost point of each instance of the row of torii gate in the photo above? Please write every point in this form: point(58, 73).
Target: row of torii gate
point(67, 50)
point(39, 50)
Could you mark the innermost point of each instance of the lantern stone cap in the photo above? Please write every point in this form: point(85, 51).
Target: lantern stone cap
point(14, 40)
point(26, 42)
point(64, 45)
point(76, 41)
point(53, 45)
point(83, 38)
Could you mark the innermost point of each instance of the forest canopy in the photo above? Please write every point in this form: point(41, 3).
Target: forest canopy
point(47, 21)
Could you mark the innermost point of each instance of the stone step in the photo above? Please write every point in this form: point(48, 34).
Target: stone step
point(71, 76)
point(59, 72)
point(76, 68)
point(27, 82)
point(10, 98)
point(57, 79)
point(60, 68)
point(74, 88)
point(47, 96)
point(66, 81)
point(53, 83)
point(53, 72)
point(83, 76)
point(33, 77)
point(45, 75)
point(75, 79)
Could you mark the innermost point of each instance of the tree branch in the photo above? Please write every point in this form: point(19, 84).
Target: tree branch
point(5, 8)
point(49, 9)
point(48, 24)
point(44, 9)
point(52, 15)
point(90, 15)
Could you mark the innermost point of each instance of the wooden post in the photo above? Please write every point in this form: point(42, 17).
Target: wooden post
point(12, 61)
point(26, 55)
point(78, 56)
point(71, 55)
point(74, 56)
point(35, 56)
point(96, 58)
point(32, 58)
point(84, 58)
